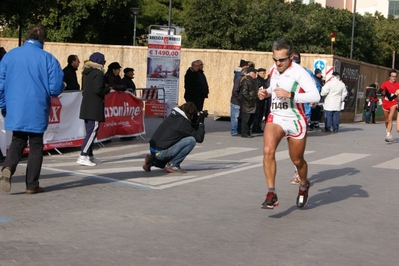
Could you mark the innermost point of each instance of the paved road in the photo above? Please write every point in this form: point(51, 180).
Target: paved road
point(117, 214)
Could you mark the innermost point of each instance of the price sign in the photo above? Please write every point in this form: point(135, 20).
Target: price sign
point(162, 53)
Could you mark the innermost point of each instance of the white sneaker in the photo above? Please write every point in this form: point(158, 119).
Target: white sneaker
point(85, 160)
point(94, 160)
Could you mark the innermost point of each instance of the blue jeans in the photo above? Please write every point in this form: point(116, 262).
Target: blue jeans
point(308, 111)
point(234, 114)
point(370, 114)
point(178, 152)
point(331, 118)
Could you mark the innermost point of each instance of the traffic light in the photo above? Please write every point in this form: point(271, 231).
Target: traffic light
point(333, 36)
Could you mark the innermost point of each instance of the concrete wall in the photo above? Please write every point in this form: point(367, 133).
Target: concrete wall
point(219, 66)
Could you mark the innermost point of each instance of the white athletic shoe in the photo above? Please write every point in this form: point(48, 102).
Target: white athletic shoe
point(85, 160)
point(94, 160)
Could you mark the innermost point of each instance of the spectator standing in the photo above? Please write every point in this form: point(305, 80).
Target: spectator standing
point(128, 80)
point(260, 108)
point(389, 103)
point(192, 86)
point(92, 106)
point(249, 101)
point(235, 106)
point(175, 138)
point(112, 78)
point(315, 112)
point(25, 103)
point(290, 87)
point(371, 103)
point(237, 70)
point(334, 92)
point(235, 100)
point(70, 77)
point(203, 85)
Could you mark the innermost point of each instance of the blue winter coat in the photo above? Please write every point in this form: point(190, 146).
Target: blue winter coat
point(29, 77)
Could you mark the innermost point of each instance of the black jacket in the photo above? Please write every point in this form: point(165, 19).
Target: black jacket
point(235, 92)
point(203, 84)
point(129, 84)
point(248, 94)
point(115, 82)
point(94, 91)
point(174, 128)
point(70, 78)
point(192, 86)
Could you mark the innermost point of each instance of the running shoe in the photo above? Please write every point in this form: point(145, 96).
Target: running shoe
point(85, 160)
point(388, 138)
point(271, 201)
point(95, 160)
point(302, 198)
point(295, 179)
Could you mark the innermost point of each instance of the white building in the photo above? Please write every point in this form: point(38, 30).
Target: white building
point(385, 7)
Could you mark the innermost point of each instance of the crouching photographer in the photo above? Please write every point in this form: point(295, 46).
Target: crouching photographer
point(175, 138)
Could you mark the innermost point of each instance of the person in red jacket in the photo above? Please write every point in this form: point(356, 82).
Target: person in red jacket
point(389, 104)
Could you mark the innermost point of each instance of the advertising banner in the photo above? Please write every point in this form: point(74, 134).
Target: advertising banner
point(350, 76)
point(123, 116)
point(65, 129)
point(163, 68)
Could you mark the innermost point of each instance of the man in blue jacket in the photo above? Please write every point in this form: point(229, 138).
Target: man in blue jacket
point(25, 104)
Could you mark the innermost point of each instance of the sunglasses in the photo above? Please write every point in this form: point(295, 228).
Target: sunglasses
point(393, 76)
point(281, 60)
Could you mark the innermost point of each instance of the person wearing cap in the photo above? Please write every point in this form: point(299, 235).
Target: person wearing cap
point(334, 92)
point(235, 100)
point(261, 81)
point(315, 111)
point(112, 78)
point(290, 87)
point(92, 105)
point(319, 76)
point(389, 104)
point(249, 101)
point(237, 71)
point(128, 80)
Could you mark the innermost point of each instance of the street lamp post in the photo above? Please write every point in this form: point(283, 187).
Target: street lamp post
point(332, 42)
point(135, 11)
point(170, 16)
point(353, 28)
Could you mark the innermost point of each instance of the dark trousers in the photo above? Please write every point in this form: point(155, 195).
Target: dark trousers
point(91, 134)
point(315, 116)
point(370, 114)
point(35, 158)
point(198, 102)
point(246, 122)
point(258, 116)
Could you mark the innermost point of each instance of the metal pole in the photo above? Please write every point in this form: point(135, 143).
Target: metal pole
point(393, 59)
point(353, 28)
point(170, 16)
point(134, 30)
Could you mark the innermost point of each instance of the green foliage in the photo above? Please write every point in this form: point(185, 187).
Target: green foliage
point(210, 24)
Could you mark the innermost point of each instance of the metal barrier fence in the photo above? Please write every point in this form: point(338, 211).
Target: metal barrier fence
point(155, 105)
